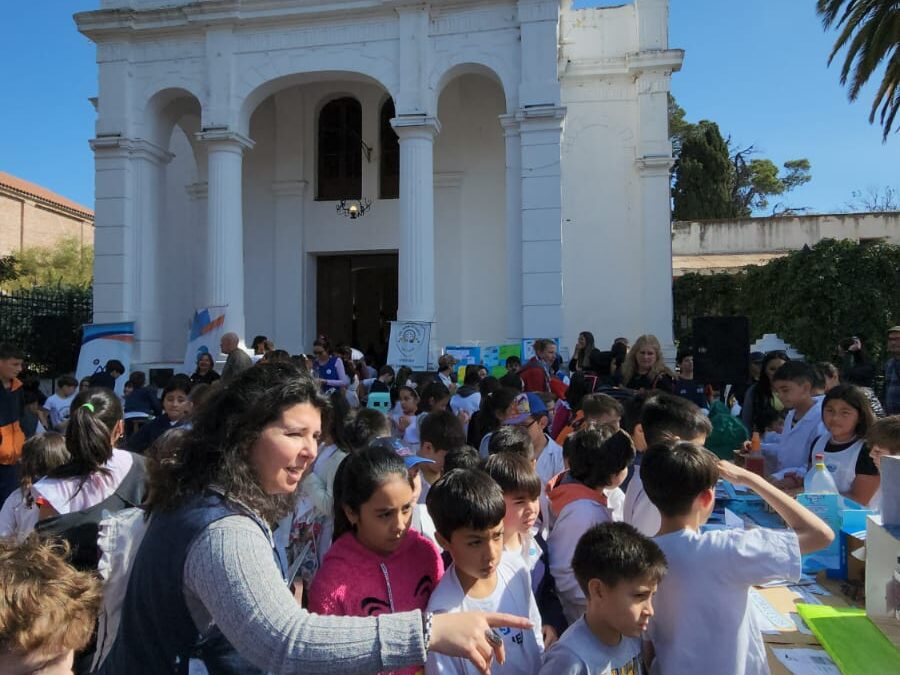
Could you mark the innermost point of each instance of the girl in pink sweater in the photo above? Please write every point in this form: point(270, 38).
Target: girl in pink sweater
point(377, 564)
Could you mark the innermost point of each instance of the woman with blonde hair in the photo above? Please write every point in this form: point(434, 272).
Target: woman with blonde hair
point(644, 367)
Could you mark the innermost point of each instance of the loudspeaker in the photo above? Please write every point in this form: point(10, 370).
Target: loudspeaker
point(721, 346)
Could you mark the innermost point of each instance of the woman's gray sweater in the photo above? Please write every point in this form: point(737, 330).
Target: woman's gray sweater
point(231, 579)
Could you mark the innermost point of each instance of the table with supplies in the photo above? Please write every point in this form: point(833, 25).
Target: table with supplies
point(817, 626)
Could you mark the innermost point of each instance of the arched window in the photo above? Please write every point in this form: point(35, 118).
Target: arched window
point(340, 150)
point(389, 169)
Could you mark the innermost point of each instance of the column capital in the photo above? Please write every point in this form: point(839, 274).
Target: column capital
point(510, 123)
point(131, 147)
point(416, 126)
point(541, 113)
point(197, 191)
point(226, 136)
point(289, 188)
point(652, 165)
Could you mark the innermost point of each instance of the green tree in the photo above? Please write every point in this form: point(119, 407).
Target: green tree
point(706, 165)
point(67, 264)
point(703, 175)
point(9, 268)
point(758, 179)
point(812, 298)
point(870, 30)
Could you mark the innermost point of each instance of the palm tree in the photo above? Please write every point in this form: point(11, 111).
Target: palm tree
point(870, 29)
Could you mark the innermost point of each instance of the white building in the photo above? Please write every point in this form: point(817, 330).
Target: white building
point(531, 198)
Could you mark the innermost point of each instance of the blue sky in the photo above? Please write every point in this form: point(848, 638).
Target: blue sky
point(756, 67)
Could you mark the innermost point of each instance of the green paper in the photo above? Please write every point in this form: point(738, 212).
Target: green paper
point(852, 641)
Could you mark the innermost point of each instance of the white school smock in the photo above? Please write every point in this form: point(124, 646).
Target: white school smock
point(841, 464)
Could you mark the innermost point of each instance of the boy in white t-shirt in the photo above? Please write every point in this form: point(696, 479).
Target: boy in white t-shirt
point(618, 569)
point(663, 417)
point(57, 405)
point(793, 382)
point(703, 621)
point(439, 433)
point(468, 509)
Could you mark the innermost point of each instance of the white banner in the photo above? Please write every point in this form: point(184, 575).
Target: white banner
point(102, 342)
point(204, 337)
point(408, 344)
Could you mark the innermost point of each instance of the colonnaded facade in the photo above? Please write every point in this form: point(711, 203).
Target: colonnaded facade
point(514, 155)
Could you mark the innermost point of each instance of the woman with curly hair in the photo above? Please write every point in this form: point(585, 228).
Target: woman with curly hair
point(644, 367)
point(206, 583)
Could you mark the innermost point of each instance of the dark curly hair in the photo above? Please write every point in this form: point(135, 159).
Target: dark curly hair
point(216, 450)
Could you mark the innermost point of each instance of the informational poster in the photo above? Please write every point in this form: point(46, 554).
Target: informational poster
point(102, 342)
point(408, 345)
point(204, 337)
point(465, 356)
point(503, 353)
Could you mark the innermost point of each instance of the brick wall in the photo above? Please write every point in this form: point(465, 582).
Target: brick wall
point(44, 224)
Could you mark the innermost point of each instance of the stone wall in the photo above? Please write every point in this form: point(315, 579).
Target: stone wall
point(28, 222)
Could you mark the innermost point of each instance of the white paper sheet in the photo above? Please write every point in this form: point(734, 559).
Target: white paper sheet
point(806, 661)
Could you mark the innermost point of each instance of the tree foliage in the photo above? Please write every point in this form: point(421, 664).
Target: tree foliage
point(67, 264)
point(812, 298)
point(703, 177)
point(712, 179)
point(870, 30)
point(9, 268)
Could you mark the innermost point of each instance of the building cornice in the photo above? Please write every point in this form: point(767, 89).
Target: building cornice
point(134, 147)
point(225, 136)
point(45, 203)
point(125, 20)
point(634, 64)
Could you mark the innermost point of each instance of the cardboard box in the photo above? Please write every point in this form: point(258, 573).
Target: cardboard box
point(853, 537)
point(883, 577)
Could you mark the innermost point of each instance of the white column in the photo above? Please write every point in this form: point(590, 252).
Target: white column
point(289, 264)
point(129, 179)
point(654, 159)
point(198, 192)
point(513, 226)
point(225, 224)
point(416, 258)
point(542, 293)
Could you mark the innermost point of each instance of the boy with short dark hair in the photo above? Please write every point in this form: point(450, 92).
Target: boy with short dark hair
point(794, 382)
point(618, 570)
point(703, 620)
point(598, 461)
point(883, 439)
point(663, 418)
point(465, 457)
point(521, 488)
point(513, 440)
point(468, 510)
point(596, 408)
point(57, 405)
point(439, 432)
point(532, 416)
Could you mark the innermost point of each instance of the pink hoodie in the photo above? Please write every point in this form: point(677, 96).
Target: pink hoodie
point(354, 581)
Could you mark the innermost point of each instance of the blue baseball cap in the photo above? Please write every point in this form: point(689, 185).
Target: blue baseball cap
point(527, 405)
point(410, 458)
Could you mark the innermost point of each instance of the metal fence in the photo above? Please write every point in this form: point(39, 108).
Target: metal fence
point(46, 324)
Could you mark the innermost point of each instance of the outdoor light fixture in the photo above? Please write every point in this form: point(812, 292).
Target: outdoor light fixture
point(354, 208)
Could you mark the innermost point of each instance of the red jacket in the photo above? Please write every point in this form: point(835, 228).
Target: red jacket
point(534, 376)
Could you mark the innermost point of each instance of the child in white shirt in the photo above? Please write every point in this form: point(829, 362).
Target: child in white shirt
point(662, 417)
point(468, 509)
point(793, 382)
point(703, 621)
point(598, 459)
point(618, 570)
point(58, 404)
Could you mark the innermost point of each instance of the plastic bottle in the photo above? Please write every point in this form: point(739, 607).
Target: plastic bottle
point(755, 461)
point(818, 479)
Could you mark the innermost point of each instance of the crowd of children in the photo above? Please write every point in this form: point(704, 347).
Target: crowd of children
point(579, 506)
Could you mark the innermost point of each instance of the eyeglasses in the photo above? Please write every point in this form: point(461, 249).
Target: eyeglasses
point(318, 353)
point(527, 424)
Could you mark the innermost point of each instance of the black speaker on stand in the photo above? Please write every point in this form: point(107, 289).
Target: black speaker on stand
point(721, 347)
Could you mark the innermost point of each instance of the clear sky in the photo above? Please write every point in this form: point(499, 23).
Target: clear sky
point(756, 67)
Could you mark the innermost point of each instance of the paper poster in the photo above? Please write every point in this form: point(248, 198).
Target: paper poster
point(102, 342)
point(204, 337)
point(408, 345)
point(465, 356)
point(490, 356)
